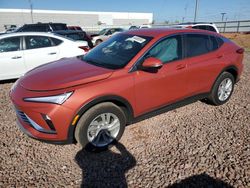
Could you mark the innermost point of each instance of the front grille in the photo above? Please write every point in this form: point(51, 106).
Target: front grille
point(33, 124)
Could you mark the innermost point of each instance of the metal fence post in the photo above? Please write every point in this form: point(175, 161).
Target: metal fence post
point(238, 27)
point(224, 30)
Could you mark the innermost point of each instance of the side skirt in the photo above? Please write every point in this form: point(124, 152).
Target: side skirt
point(170, 107)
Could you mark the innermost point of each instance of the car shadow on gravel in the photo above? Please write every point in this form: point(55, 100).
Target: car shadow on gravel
point(200, 181)
point(106, 168)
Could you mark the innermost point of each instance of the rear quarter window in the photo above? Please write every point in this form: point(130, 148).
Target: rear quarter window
point(220, 41)
point(214, 43)
point(56, 41)
point(210, 28)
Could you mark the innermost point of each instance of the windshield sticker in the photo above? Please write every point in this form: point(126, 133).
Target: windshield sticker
point(136, 39)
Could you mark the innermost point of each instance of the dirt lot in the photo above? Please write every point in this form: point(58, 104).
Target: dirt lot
point(194, 146)
point(241, 39)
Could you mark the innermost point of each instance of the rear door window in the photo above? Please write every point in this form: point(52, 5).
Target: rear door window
point(197, 44)
point(10, 44)
point(33, 42)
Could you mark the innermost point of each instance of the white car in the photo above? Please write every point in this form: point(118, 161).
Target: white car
point(105, 34)
point(198, 25)
point(21, 52)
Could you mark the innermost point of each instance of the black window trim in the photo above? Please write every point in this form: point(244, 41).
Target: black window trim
point(140, 60)
point(182, 34)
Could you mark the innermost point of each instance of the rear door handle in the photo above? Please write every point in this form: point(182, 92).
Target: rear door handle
point(52, 53)
point(181, 66)
point(16, 57)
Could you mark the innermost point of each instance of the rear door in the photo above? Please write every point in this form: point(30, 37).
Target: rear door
point(39, 50)
point(11, 58)
point(204, 62)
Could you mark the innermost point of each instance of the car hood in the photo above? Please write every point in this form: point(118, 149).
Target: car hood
point(63, 73)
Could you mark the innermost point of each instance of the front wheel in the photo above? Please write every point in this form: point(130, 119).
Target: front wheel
point(222, 89)
point(100, 126)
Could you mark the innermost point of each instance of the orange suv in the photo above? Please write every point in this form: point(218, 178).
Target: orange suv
point(90, 99)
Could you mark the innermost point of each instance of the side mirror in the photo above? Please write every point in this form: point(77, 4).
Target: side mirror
point(151, 64)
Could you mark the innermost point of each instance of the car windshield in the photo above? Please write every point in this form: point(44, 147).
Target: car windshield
point(116, 52)
point(102, 32)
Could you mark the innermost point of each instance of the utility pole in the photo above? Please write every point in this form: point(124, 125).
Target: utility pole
point(222, 16)
point(196, 10)
point(185, 9)
point(31, 11)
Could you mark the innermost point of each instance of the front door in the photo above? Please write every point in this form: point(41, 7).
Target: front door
point(166, 86)
point(11, 58)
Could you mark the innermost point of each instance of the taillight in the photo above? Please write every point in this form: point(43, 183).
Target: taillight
point(240, 51)
point(85, 48)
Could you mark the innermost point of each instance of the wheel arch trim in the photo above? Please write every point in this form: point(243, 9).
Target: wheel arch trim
point(108, 98)
point(226, 70)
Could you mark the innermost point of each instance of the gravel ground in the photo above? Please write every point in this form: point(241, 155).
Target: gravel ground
point(197, 145)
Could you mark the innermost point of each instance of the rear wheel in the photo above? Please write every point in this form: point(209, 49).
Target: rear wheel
point(222, 89)
point(101, 126)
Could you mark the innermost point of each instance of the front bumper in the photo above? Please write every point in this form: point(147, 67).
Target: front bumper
point(43, 121)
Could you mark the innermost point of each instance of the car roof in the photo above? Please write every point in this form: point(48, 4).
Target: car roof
point(159, 32)
point(68, 31)
point(194, 23)
point(29, 33)
point(49, 23)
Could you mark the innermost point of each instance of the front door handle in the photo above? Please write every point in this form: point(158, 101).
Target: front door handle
point(52, 53)
point(181, 66)
point(16, 57)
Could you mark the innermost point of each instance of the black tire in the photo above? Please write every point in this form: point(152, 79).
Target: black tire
point(214, 98)
point(99, 41)
point(84, 122)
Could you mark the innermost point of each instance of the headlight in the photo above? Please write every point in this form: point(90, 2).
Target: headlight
point(57, 99)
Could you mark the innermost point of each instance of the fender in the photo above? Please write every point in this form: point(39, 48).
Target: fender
point(120, 101)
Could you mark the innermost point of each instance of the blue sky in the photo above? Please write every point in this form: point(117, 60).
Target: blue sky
point(171, 10)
